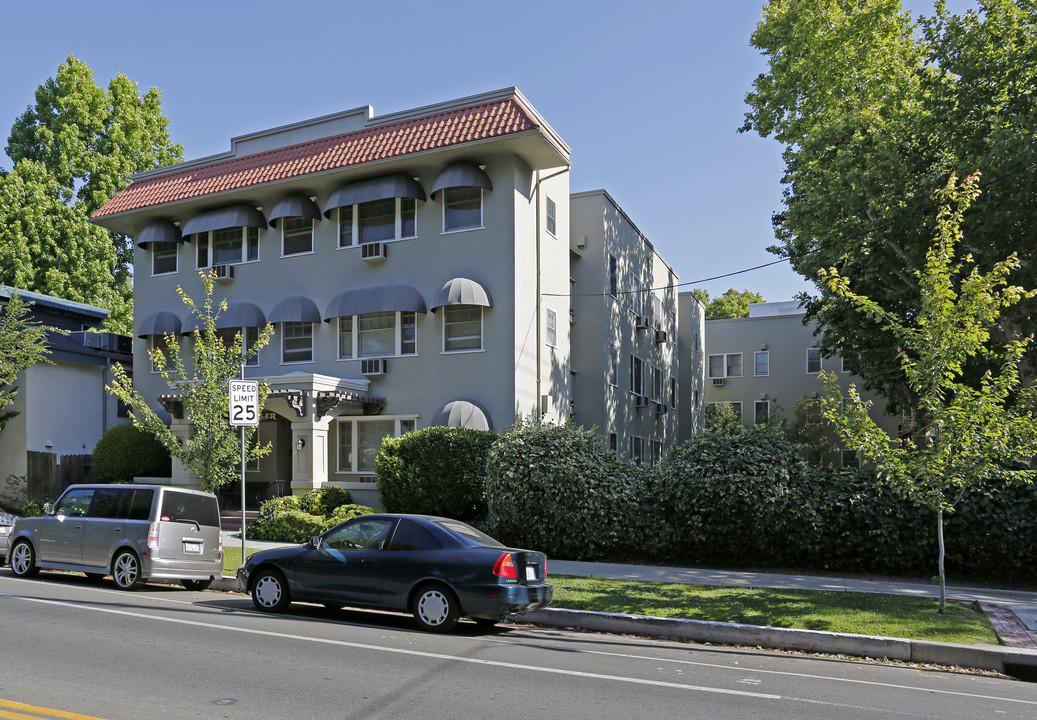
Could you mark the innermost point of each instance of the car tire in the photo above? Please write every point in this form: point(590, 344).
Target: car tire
point(435, 608)
point(23, 560)
point(270, 591)
point(198, 585)
point(126, 570)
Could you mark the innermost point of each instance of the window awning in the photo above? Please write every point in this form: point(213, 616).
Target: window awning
point(380, 188)
point(239, 315)
point(462, 413)
point(159, 231)
point(461, 174)
point(295, 309)
point(226, 217)
point(161, 322)
point(462, 291)
point(294, 206)
point(384, 298)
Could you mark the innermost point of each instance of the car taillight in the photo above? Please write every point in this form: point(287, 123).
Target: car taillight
point(545, 568)
point(221, 541)
point(153, 536)
point(505, 567)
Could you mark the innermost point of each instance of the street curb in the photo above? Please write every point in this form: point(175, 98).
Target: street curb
point(1013, 661)
point(982, 657)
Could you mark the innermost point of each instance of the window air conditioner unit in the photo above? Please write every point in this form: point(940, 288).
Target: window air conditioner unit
point(641, 323)
point(641, 401)
point(718, 381)
point(373, 252)
point(661, 336)
point(224, 273)
point(660, 408)
point(374, 367)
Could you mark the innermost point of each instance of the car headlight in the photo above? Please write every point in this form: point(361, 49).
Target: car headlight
point(5, 529)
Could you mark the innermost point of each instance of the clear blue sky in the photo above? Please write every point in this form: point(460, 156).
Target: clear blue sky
point(649, 94)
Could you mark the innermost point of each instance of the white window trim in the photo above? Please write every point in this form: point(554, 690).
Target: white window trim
point(313, 241)
point(355, 340)
point(768, 354)
point(313, 347)
point(397, 228)
point(176, 257)
point(482, 215)
point(482, 335)
point(244, 248)
point(354, 458)
point(548, 216)
point(550, 327)
point(820, 361)
point(725, 356)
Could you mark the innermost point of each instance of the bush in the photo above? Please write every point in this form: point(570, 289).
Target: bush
point(297, 518)
point(324, 500)
point(435, 471)
point(560, 490)
point(127, 451)
point(33, 508)
point(346, 512)
point(288, 526)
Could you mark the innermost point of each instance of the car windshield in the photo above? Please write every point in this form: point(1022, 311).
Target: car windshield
point(467, 533)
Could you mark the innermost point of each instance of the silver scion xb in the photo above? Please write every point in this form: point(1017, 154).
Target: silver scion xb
point(132, 532)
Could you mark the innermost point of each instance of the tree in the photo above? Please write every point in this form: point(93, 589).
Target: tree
point(213, 450)
point(732, 304)
point(809, 431)
point(23, 343)
point(82, 144)
point(874, 111)
point(960, 435)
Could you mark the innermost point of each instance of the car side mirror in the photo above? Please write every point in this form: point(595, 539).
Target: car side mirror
point(48, 509)
point(315, 542)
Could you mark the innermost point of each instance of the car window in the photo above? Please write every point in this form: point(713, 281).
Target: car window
point(110, 503)
point(179, 506)
point(468, 534)
point(411, 536)
point(360, 534)
point(140, 507)
point(75, 503)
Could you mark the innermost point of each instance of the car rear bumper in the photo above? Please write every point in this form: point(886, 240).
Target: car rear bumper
point(182, 570)
point(506, 599)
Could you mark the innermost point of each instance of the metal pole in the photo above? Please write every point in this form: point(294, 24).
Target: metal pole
point(242, 482)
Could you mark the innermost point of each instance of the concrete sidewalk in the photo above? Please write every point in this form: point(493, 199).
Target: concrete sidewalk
point(1013, 613)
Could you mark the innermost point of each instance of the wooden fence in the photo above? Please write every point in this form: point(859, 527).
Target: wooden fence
point(46, 478)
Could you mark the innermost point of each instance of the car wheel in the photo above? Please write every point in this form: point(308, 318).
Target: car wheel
point(126, 571)
point(270, 591)
point(435, 608)
point(23, 560)
point(197, 584)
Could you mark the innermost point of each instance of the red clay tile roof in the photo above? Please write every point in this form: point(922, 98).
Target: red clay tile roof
point(479, 122)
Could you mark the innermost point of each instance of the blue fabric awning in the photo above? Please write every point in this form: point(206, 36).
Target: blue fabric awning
point(161, 322)
point(380, 188)
point(239, 315)
point(159, 231)
point(383, 298)
point(295, 309)
point(461, 174)
point(226, 217)
point(294, 206)
point(462, 291)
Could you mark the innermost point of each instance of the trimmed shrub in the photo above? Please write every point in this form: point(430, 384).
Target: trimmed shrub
point(560, 490)
point(346, 512)
point(288, 526)
point(272, 507)
point(292, 518)
point(128, 451)
point(435, 471)
point(324, 500)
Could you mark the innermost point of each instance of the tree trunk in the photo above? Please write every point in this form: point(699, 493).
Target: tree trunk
point(943, 577)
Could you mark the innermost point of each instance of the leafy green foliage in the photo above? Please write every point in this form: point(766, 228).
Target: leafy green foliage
point(721, 417)
point(23, 343)
point(560, 490)
point(810, 432)
point(213, 450)
point(324, 500)
point(346, 512)
point(74, 149)
point(293, 526)
point(297, 518)
point(435, 471)
point(732, 304)
point(127, 451)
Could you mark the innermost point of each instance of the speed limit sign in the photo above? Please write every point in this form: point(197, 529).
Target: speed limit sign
point(244, 402)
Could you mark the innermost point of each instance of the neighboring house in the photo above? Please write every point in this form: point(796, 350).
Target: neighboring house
point(765, 363)
point(62, 407)
point(625, 338)
point(416, 267)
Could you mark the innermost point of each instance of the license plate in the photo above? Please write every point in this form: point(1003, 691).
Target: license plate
point(531, 572)
point(193, 548)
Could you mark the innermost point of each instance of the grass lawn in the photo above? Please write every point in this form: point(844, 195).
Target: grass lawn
point(861, 613)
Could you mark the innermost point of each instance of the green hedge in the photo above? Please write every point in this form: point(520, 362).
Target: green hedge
point(297, 518)
point(127, 451)
point(435, 471)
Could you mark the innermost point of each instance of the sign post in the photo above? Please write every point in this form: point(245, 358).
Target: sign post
point(244, 410)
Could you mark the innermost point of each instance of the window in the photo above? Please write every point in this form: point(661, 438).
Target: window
point(637, 375)
point(159, 343)
point(813, 361)
point(673, 393)
point(296, 235)
point(551, 320)
point(410, 536)
point(763, 412)
point(296, 342)
point(462, 208)
point(614, 366)
point(613, 276)
point(657, 384)
point(637, 449)
point(637, 299)
point(227, 246)
point(657, 451)
point(762, 363)
point(736, 407)
point(249, 337)
point(845, 366)
point(462, 328)
point(381, 334)
point(850, 459)
point(613, 442)
point(725, 366)
point(552, 216)
point(163, 257)
point(360, 440)
point(377, 221)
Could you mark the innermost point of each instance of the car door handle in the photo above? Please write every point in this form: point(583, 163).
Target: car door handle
point(116, 529)
point(368, 561)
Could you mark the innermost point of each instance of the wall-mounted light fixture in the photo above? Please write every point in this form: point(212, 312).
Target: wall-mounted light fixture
point(300, 442)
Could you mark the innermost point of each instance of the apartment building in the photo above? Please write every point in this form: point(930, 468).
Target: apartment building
point(764, 364)
point(417, 269)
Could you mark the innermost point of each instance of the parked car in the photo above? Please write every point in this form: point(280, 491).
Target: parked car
point(436, 568)
point(6, 523)
point(132, 532)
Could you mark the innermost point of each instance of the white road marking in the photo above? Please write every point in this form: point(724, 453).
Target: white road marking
point(398, 651)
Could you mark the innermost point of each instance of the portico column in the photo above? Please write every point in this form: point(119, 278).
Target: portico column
point(179, 474)
point(309, 455)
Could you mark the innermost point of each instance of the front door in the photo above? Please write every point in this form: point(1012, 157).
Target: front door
point(344, 569)
point(61, 534)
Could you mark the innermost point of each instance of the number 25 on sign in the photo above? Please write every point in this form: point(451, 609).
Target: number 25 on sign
point(244, 402)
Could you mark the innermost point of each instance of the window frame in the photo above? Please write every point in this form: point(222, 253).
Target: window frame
point(550, 327)
point(168, 249)
point(820, 361)
point(550, 216)
point(764, 417)
point(399, 330)
point(726, 365)
point(249, 337)
point(447, 323)
point(399, 223)
point(249, 249)
point(286, 336)
point(637, 375)
point(756, 363)
point(296, 233)
point(446, 203)
point(401, 426)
